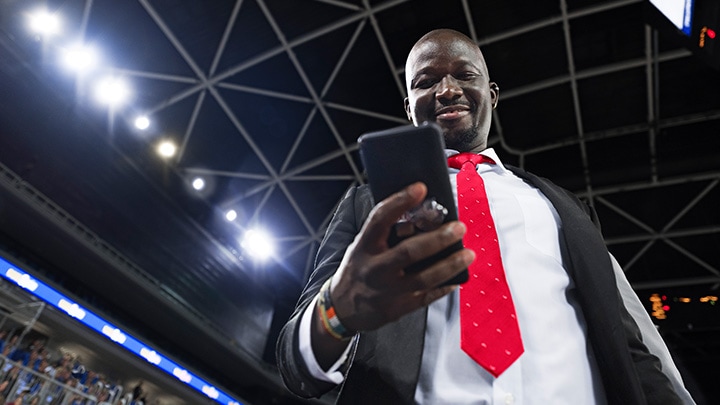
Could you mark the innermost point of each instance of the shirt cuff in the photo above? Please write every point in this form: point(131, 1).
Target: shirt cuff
point(333, 374)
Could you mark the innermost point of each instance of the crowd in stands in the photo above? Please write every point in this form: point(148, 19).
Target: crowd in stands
point(29, 374)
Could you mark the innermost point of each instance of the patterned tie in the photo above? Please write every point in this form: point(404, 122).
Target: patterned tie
point(489, 331)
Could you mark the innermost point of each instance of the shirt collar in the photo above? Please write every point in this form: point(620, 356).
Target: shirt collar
point(489, 152)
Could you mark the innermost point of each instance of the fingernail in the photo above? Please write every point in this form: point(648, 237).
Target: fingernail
point(414, 190)
point(457, 229)
point(469, 257)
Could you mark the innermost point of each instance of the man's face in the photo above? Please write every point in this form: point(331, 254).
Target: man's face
point(448, 84)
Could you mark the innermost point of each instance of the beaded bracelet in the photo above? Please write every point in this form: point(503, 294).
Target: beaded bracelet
point(329, 318)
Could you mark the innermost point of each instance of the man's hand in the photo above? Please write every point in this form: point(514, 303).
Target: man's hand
point(371, 289)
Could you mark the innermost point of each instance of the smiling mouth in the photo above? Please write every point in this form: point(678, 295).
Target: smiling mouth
point(452, 112)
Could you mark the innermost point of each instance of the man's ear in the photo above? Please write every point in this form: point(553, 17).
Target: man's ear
point(494, 94)
point(407, 109)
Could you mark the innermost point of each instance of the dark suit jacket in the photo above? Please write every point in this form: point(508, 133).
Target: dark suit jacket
point(385, 363)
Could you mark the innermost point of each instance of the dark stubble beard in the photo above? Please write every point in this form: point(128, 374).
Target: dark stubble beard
point(463, 141)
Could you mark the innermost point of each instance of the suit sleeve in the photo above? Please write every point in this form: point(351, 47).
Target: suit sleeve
point(660, 383)
point(650, 336)
point(346, 223)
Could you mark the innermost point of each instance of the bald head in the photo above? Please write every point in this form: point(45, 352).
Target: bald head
point(443, 35)
point(448, 83)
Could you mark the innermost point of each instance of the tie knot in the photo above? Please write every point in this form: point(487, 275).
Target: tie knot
point(457, 161)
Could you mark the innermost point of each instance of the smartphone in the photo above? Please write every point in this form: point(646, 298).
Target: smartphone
point(397, 157)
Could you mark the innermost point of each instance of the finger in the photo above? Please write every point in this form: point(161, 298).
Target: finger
point(423, 245)
point(417, 299)
point(430, 278)
point(388, 211)
point(425, 298)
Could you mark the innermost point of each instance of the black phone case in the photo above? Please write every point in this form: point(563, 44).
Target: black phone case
point(397, 157)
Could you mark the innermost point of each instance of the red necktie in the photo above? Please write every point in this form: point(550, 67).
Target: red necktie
point(489, 331)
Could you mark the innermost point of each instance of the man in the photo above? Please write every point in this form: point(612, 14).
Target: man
point(580, 344)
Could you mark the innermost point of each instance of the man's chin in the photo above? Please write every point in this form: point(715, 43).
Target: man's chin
point(462, 140)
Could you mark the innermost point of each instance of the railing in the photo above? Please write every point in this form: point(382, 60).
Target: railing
point(16, 379)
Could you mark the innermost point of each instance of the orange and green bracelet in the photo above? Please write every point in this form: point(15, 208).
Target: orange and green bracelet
point(329, 318)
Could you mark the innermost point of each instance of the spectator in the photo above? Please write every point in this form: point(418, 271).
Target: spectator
point(3, 335)
point(137, 390)
point(20, 398)
point(10, 346)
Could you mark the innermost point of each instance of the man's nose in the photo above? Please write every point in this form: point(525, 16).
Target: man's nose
point(448, 89)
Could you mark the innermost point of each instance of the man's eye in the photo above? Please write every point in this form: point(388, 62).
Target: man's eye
point(467, 76)
point(424, 84)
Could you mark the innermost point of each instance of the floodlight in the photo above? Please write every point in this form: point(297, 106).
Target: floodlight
point(142, 122)
point(44, 23)
point(112, 91)
point(231, 215)
point(80, 58)
point(198, 183)
point(257, 244)
point(166, 149)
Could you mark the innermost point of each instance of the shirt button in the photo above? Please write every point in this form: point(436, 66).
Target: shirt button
point(509, 399)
